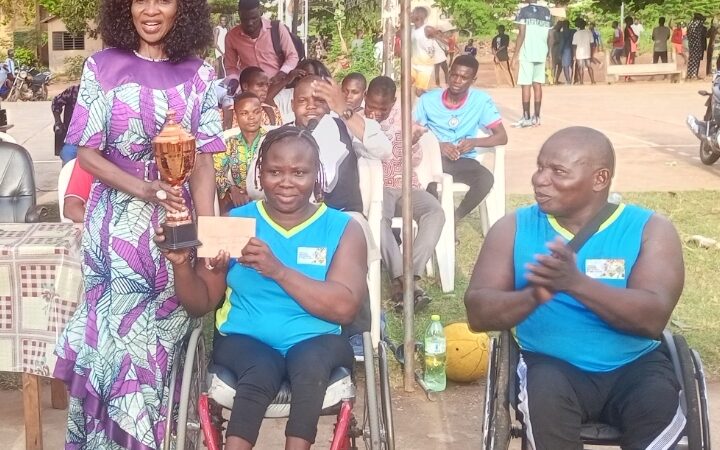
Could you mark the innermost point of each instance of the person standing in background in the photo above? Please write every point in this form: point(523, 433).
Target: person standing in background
point(219, 34)
point(424, 47)
point(677, 41)
point(62, 108)
point(583, 51)
point(470, 48)
point(531, 50)
point(660, 37)
point(452, 46)
point(630, 38)
point(618, 49)
point(10, 63)
point(501, 58)
point(697, 43)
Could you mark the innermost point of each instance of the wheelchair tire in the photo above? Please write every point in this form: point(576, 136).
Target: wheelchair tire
point(703, 393)
point(496, 418)
point(693, 427)
point(386, 397)
point(371, 416)
point(169, 421)
point(189, 435)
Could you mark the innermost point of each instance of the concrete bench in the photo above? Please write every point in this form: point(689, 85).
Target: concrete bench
point(614, 72)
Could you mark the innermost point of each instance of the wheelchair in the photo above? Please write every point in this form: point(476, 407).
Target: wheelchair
point(499, 426)
point(205, 390)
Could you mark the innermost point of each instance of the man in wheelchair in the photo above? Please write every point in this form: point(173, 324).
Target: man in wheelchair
point(296, 283)
point(588, 318)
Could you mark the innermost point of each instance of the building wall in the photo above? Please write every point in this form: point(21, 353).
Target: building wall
point(57, 57)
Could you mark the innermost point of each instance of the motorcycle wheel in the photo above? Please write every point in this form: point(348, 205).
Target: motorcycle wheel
point(708, 156)
point(44, 94)
point(13, 95)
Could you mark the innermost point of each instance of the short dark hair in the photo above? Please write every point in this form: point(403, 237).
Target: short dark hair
point(291, 133)
point(246, 5)
point(501, 27)
point(580, 22)
point(247, 74)
point(190, 35)
point(244, 96)
point(318, 67)
point(355, 76)
point(661, 21)
point(467, 61)
point(382, 86)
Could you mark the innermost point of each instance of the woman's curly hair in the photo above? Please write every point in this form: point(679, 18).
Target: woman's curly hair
point(190, 35)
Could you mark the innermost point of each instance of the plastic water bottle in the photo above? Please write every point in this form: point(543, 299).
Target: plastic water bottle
point(434, 377)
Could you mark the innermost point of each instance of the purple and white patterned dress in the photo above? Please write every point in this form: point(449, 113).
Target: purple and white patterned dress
point(117, 350)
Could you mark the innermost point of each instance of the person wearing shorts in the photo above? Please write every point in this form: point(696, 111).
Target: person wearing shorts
point(531, 52)
point(423, 50)
point(583, 51)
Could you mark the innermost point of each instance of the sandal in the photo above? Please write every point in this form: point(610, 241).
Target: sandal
point(421, 300)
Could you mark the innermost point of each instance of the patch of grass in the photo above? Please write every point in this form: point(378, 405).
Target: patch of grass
point(697, 315)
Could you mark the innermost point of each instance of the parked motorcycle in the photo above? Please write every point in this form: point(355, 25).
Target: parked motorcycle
point(708, 130)
point(30, 85)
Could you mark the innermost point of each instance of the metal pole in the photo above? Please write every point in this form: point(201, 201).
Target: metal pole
point(622, 14)
point(306, 25)
point(407, 238)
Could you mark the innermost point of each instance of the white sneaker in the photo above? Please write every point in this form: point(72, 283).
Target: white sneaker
point(535, 121)
point(522, 123)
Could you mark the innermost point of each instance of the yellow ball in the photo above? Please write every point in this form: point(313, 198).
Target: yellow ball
point(467, 353)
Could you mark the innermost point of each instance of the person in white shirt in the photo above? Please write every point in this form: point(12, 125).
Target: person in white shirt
point(583, 50)
point(660, 36)
point(219, 34)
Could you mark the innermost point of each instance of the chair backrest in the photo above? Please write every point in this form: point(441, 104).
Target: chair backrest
point(17, 182)
point(63, 180)
point(430, 168)
point(371, 182)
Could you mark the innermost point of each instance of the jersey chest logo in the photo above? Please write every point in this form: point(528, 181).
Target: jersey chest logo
point(314, 256)
point(605, 269)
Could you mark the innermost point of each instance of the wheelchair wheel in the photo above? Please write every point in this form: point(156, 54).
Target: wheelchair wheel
point(496, 417)
point(702, 391)
point(371, 416)
point(189, 435)
point(693, 427)
point(386, 396)
point(170, 420)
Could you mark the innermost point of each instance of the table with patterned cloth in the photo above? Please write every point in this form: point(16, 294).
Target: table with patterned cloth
point(40, 288)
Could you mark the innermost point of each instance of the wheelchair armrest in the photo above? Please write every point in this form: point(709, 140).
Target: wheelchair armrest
point(36, 214)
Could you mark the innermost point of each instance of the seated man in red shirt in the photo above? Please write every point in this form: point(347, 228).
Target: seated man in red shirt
point(77, 193)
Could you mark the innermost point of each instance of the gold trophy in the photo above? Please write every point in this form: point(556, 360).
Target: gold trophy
point(174, 150)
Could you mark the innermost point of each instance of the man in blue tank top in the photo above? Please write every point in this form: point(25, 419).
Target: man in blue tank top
point(588, 324)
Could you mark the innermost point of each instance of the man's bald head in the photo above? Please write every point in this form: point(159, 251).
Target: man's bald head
point(575, 169)
point(588, 145)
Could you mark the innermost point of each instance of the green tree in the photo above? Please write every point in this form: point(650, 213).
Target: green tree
point(478, 17)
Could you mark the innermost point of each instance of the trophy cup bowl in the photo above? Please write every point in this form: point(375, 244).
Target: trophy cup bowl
point(174, 150)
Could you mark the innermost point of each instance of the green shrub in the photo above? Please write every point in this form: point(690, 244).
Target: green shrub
point(25, 57)
point(361, 60)
point(74, 66)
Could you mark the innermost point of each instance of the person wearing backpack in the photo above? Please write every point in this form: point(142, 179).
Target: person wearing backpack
point(259, 42)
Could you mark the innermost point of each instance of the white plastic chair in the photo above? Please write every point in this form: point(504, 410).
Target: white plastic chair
point(63, 180)
point(493, 207)
point(371, 188)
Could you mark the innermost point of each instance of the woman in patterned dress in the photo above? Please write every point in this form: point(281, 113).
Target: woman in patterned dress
point(118, 348)
point(696, 34)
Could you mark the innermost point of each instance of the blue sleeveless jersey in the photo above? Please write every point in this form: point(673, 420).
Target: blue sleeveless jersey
point(563, 327)
point(257, 306)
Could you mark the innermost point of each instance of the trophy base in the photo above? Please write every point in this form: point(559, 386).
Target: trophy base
point(178, 237)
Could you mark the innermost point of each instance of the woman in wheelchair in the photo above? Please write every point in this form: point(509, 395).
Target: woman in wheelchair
point(285, 299)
